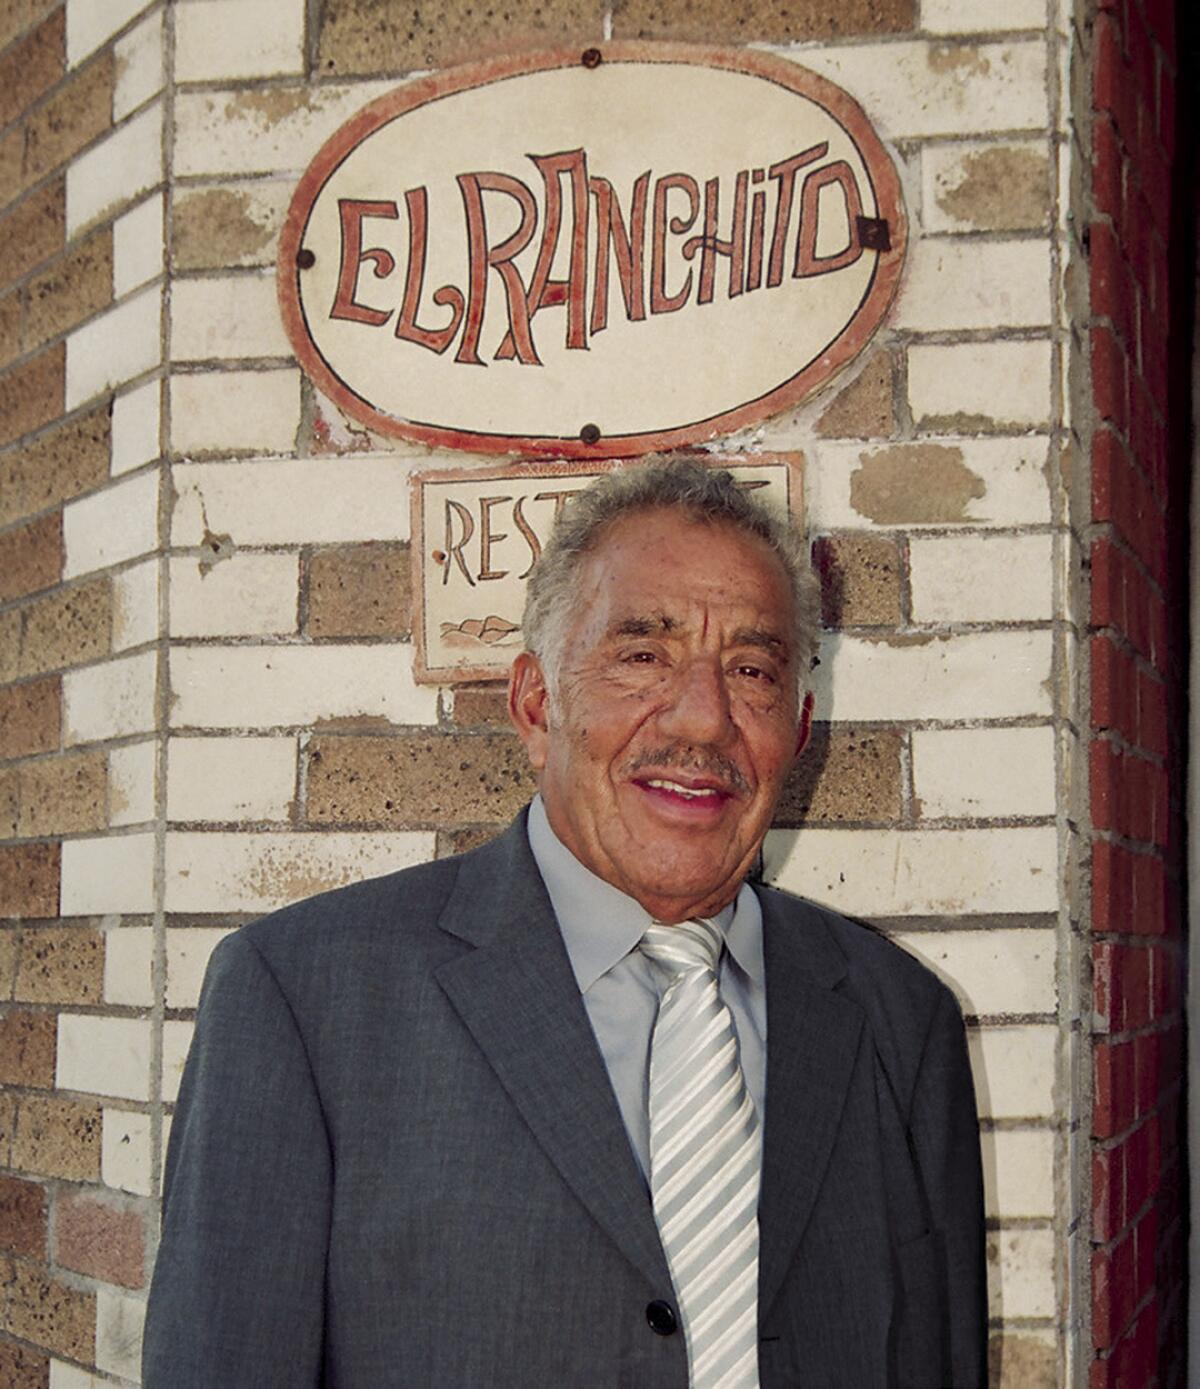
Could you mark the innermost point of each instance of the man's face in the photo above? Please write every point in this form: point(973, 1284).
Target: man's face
point(664, 750)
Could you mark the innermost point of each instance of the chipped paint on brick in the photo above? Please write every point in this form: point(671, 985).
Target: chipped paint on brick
point(914, 484)
point(1002, 189)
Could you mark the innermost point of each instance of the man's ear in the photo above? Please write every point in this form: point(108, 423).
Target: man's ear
point(529, 706)
point(804, 724)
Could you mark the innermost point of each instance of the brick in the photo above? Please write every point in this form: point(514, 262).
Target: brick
point(18, 15)
point(126, 1151)
point(12, 318)
point(481, 706)
point(1026, 1359)
point(29, 879)
point(135, 619)
point(129, 967)
point(22, 1217)
point(112, 700)
point(31, 557)
point(68, 627)
point(188, 954)
point(120, 1322)
point(46, 1311)
point(864, 408)
point(860, 580)
point(34, 229)
point(121, 344)
point(75, 287)
point(1020, 1183)
point(119, 522)
point(1012, 772)
point(235, 412)
point(416, 781)
point(959, 89)
point(1110, 386)
point(139, 253)
point(60, 964)
point(104, 1055)
point(21, 1367)
point(713, 22)
point(1021, 1269)
point(63, 795)
point(382, 37)
point(981, 675)
point(844, 775)
point(136, 427)
point(1015, 1070)
point(1113, 1273)
point(139, 73)
point(977, 579)
point(101, 1239)
point(251, 872)
point(885, 872)
point(216, 40)
point(239, 595)
point(30, 718)
point(359, 590)
point(10, 811)
point(952, 285)
point(116, 171)
point(54, 467)
point(1114, 1081)
point(27, 1048)
point(32, 394)
point(79, 111)
point(331, 502)
point(281, 686)
point(229, 779)
point(57, 1137)
point(226, 317)
point(10, 647)
point(32, 66)
point(104, 875)
point(991, 972)
point(1112, 289)
point(979, 386)
point(219, 228)
point(263, 131)
point(985, 187)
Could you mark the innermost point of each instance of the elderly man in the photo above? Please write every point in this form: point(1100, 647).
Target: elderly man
point(584, 1108)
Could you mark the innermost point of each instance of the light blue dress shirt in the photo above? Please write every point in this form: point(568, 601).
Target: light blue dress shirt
point(601, 928)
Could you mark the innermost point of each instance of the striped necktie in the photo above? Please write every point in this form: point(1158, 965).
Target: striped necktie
point(705, 1158)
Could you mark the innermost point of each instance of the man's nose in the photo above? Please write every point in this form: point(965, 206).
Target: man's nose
point(698, 711)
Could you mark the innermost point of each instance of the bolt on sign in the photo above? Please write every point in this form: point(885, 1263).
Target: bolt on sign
point(476, 533)
point(569, 254)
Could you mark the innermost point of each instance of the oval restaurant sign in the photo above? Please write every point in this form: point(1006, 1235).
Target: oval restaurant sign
point(591, 255)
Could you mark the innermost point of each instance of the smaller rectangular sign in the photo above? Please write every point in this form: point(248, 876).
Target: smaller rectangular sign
point(476, 533)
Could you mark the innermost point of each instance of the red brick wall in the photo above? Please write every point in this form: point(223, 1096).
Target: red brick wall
point(1140, 277)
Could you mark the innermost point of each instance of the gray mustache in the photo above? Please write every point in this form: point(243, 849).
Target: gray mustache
point(685, 757)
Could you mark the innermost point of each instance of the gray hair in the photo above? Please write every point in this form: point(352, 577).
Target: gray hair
point(700, 493)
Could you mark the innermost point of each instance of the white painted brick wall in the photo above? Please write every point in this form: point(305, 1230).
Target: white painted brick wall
point(950, 284)
point(943, 167)
point(122, 165)
point(222, 871)
point(1014, 1070)
point(117, 523)
point(135, 427)
point(329, 501)
point(919, 872)
point(91, 22)
point(135, 605)
point(981, 675)
point(188, 953)
point(115, 347)
point(125, 1151)
point(114, 699)
point(120, 1321)
point(1018, 1172)
point(177, 1039)
point(244, 595)
point(982, 578)
point(131, 783)
point(1021, 1269)
point(983, 772)
point(226, 317)
point(973, 16)
point(138, 247)
point(104, 1056)
point(229, 779)
point(109, 874)
point(139, 66)
point(217, 40)
point(129, 966)
point(992, 971)
point(235, 411)
point(283, 686)
point(1007, 383)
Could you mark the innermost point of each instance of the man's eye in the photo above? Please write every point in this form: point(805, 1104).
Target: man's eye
point(755, 673)
point(641, 657)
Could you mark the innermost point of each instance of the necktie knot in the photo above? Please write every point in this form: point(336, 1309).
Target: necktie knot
point(685, 946)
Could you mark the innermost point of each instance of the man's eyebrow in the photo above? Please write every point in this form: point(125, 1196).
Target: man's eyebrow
point(644, 626)
point(759, 636)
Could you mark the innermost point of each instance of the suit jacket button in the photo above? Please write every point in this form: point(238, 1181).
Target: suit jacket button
point(661, 1318)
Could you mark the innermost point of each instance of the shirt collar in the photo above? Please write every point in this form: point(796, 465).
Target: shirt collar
point(600, 924)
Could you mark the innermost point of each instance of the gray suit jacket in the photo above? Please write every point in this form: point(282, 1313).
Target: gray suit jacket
point(397, 1162)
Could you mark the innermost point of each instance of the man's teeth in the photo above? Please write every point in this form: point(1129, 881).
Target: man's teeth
point(691, 792)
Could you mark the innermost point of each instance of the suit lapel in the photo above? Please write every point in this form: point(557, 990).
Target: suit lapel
point(812, 1039)
point(517, 995)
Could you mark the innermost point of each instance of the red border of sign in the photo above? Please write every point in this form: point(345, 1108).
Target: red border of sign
point(844, 348)
point(793, 462)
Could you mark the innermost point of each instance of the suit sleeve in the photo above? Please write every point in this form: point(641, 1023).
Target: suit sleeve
point(944, 1131)
point(238, 1292)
